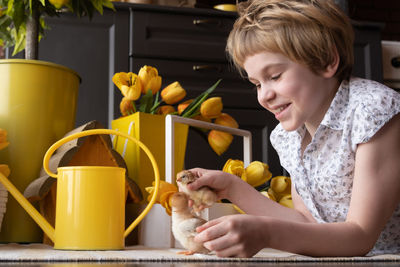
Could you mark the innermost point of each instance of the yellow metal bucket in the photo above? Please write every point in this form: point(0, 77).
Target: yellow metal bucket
point(37, 107)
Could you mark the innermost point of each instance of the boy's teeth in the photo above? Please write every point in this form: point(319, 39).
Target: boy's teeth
point(280, 109)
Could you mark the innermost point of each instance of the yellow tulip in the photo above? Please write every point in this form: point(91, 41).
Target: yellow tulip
point(165, 192)
point(256, 173)
point(166, 109)
point(286, 201)
point(173, 93)
point(201, 118)
point(281, 184)
point(234, 166)
point(268, 195)
point(3, 139)
point(126, 107)
point(219, 141)
point(272, 194)
point(59, 3)
point(184, 105)
point(211, 108)
point(129, 84)
point(165, 201)
point(5, 170)
point(226, 120)
point(150, 80)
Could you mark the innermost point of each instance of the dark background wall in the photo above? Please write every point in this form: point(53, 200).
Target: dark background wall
point(383, 11)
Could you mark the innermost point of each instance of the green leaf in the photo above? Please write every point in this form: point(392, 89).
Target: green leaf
point(10, 7)
point(98, 5)
point(108, 4)
point(18, 14)
point(156, 104)
point(5, 36)
point(19, 40)
point(146, 102)
point(192, 108)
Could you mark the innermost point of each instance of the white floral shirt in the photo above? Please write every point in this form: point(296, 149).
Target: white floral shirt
point(323, 177)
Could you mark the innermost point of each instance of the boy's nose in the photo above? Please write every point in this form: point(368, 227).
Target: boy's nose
point(265, 95)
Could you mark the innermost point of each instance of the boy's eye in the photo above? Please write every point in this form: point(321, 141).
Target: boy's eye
point(276, 77)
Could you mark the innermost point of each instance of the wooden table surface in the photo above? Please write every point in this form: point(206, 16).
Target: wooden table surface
point(196, 264)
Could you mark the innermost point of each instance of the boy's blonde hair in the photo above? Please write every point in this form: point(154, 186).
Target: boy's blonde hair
point(309, 32)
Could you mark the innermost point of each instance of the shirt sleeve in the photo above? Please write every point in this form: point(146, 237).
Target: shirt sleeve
point(376, 108)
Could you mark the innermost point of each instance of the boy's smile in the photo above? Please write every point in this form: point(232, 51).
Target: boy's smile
point(291, 91)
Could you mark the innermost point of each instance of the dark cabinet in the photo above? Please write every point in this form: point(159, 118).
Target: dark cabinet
point(189, 46)
point(185, 45)
point(367, 50)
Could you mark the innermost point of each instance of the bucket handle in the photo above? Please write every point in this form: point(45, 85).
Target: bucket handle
point(66, 139)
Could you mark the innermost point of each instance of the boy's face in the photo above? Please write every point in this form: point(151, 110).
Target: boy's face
point(292, 92)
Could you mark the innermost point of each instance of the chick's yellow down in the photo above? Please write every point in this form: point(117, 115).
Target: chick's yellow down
point(184, 224)
point(203, 197)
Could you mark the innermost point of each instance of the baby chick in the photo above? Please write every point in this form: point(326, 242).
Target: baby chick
point(203, 197)
point(184, 224)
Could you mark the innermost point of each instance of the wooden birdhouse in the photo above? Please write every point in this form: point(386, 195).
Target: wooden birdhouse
point(94, 150)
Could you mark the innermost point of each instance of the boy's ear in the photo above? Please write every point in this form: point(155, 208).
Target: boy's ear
point(331, 69)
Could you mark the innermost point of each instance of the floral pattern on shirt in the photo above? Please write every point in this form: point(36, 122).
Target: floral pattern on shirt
point(323, 176)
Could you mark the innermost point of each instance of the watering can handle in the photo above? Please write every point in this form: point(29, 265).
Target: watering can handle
point(66, 139)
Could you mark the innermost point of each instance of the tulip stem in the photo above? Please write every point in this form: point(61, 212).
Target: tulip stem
point(156, 103)
point(198, 101)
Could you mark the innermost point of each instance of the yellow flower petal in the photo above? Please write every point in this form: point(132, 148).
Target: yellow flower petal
point(164, 188)
point(173, 93)
point(226, 120)
point(281, 184)
point(257, 173)
point(268, 195)
point(286, 201)
point(126, 107)
point(211, 108)
point(150, 80)
point(166, 109)
point(121, 78)
point(129, 84)
point(201, 118)
point(234, 166)
point(219, 141)
point(5, 170)
point(184, 105)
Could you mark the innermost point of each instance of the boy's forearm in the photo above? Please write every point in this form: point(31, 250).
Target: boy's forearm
point(254, 203)
point(318, 239)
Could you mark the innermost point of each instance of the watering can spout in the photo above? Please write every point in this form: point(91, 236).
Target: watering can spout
point(28, 207)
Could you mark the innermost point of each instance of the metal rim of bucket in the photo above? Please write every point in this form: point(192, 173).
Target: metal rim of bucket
point(39, 62)
point(90, 167)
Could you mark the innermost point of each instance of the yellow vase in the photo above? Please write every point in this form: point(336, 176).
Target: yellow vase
point(37, 107)
point(150, 130)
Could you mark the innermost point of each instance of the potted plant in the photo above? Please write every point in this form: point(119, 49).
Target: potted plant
point(144, 107)
point(37, 99)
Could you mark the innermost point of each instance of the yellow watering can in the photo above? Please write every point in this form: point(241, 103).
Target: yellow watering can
point(90, 206)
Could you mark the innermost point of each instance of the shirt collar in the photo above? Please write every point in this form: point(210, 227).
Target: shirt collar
point(335, 116)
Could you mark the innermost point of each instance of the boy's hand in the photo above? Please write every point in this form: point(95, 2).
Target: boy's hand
point(234, 235)
point(219, 181)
